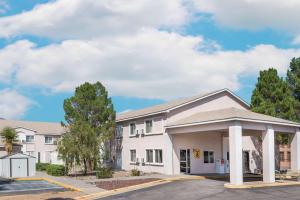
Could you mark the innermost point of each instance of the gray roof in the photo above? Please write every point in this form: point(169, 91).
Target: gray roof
point(43, 128)
point(170, 105)
point(229, 114)
point(13, 154)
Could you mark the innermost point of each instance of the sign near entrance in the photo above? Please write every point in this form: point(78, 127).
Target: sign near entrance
point(196, 153)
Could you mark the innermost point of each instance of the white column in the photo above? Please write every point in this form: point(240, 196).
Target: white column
point(235, 154)
point(268, 155)
point(295, 151)
point(168, 154)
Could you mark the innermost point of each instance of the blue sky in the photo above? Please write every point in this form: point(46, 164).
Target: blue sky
point(47, 48)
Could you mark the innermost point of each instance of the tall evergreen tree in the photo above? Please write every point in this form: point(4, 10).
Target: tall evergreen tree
point(293, 80)
point(90, 118)
point(272, 96)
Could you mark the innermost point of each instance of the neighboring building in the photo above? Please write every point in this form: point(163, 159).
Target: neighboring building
point(285, 156)
point(200, 135)
point(37, 139)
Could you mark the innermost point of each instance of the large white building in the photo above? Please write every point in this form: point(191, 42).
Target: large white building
point(38, 139)
point(210, 133)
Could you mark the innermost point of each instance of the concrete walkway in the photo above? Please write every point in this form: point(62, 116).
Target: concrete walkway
point(82, 185)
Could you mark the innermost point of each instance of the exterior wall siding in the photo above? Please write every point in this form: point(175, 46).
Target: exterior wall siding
point(202, 141)
point(219, 101)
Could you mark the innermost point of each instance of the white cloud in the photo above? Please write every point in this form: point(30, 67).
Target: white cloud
point(150, 64)
point(254, 14)
point(12, 104)
point(71, 19)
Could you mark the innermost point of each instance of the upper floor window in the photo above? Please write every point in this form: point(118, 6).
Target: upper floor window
point(29, 138)
point(48, 140)
point(209, 157)
point(149, 126)
point(132, 129)
point(119, 131)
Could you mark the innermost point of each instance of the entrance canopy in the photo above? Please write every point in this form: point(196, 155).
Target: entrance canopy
point(238, 122)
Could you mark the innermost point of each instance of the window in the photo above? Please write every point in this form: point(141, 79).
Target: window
point(149, 126)
point(132, 128)
point(119, 131)
point(149, 156)
point(29, 138)
point(209, 157)
point(30, 153)
point(48, 140)
point(133, 155)
point(281, 154)
point(39, 157)
point(158, 156)
point(288, 156)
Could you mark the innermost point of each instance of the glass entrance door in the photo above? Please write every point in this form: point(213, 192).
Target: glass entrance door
point(185, 161)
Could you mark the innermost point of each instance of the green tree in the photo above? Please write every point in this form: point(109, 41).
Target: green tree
point(9, 136)
point(90, 118)
point(272, 96)
point(293, 80)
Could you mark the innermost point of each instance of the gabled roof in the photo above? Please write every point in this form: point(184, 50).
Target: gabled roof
point(166, 107)
point(13, 154)
point(42, 128)
point(229, 114)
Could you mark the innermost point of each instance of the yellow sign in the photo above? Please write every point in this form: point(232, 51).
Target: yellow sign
point(196, 153)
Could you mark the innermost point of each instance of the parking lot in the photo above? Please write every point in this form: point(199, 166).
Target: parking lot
point(27, 187)
point(208, 189)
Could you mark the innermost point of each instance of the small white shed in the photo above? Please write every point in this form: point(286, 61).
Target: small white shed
point(17, 165)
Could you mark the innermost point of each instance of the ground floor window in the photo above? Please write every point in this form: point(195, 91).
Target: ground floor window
point(149, 155)
point(288, 156)
point(132, 155)
point(209, 157)
point(30, 153)
point(158, 156)
point(281, 154)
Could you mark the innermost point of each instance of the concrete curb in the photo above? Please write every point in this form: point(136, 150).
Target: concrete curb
point(136, 187)
point(50, 181)
point(261, 185)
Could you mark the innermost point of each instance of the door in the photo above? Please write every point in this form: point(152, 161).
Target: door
point(185, 161)
point(119, 159)
point(18, 167)
point(246, 162)
point(47, 156)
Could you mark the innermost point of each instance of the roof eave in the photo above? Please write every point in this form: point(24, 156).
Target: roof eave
point(186, 103)
point(233, 119)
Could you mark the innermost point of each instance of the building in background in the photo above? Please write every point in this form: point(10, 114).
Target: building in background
point(38, 139)
point(285, 156)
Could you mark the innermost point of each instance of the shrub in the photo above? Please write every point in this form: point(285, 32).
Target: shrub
point(104, 172)
point(55, 170)
point(41, 166)
point(135, 172)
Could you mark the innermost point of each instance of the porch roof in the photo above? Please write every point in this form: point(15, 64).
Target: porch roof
point(229, 114)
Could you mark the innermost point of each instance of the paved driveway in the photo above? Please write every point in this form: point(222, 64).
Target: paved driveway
point(207, 189)
point(27, 187)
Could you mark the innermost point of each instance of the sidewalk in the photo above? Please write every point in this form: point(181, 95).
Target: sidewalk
point(82, 185)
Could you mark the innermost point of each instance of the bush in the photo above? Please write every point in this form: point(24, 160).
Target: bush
point(55, 170)
point(104, 172)
point(135, 172)
point(41, 166)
